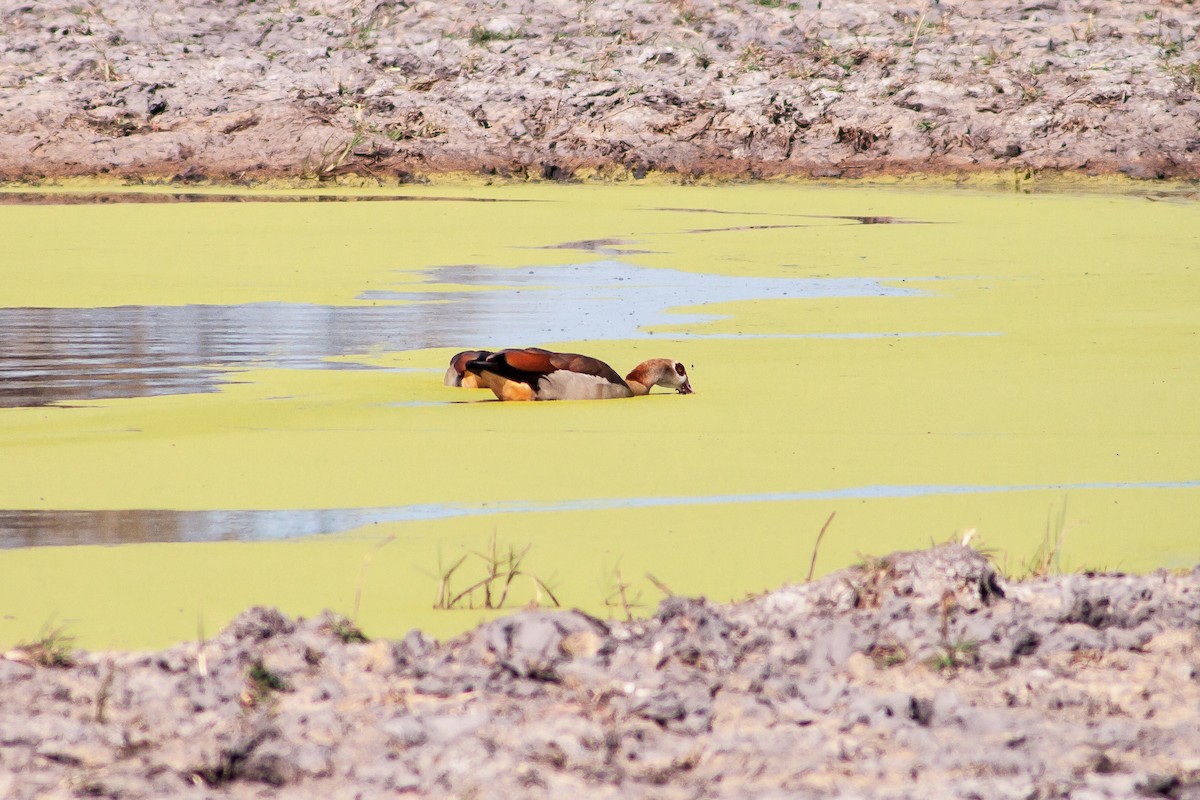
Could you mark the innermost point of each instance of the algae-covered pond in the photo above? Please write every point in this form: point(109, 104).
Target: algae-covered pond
point(209, 405)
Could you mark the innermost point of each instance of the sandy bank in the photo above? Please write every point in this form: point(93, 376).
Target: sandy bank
point(919, 675)
point(393, 89)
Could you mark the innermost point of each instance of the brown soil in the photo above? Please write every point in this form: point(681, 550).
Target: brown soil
point(921, 675)
point(317, 89)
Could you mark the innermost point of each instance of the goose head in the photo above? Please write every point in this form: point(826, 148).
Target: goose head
point(659, 372)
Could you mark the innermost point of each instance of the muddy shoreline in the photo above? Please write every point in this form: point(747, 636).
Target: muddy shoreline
point(397, 90)
point(918, 675)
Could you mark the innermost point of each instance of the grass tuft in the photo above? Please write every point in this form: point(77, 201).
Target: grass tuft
point(261, 685)
point(53, 649)
point(344, 629)
point(481, 35)
point(888, 655)
point(952, 653)
point(1047, 559)
point(333, 157)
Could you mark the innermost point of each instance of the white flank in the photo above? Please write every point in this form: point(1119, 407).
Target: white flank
point(566, 385)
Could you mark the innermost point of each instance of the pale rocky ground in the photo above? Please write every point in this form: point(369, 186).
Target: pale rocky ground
point(922, 675)
point(555, 89)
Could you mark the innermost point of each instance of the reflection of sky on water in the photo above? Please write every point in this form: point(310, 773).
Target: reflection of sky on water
point(29, 528)
point(607, 299)
point(37, 528)
point(50, 355)
point(34, 198)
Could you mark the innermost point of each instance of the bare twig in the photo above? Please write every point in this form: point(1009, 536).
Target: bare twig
point(621, 594)
point(542, 585)
point(443, 595)
point(812, 565)
point(501, 571)
point(104, 692)
point(662, 587)
point(201, 656)
point(917, 31)
point(362, 574)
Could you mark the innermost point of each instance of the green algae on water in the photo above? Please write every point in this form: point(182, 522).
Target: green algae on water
point(1050, 342)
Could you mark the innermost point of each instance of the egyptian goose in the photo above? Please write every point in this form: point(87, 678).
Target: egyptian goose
point(456, 374)
point(536, 374)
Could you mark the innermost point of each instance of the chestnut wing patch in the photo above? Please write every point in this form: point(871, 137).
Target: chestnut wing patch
point(533, 361)
point(532, 364)
point(521, 366)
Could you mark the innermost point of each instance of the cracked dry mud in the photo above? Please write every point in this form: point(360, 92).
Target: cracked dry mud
point(317, 89)
point(919, 675)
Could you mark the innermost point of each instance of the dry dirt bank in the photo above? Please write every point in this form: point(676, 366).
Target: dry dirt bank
point(239, 89)
point(921, 675)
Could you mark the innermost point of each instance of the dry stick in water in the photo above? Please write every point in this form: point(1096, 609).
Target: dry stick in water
point(662, 587)
point(504, 569)
point(540, 584)
point(622, 593)
point(362, 574)
point(812, 565)
point(443, 597)
point(493, 560)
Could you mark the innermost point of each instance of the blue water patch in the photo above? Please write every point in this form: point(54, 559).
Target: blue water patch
point(607, 299)
point(32, 528)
